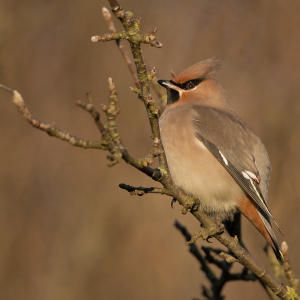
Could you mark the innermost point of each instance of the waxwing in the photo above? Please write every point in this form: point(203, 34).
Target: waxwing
point(212, 154)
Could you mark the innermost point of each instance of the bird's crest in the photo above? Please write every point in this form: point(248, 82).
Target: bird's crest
point(203, 69)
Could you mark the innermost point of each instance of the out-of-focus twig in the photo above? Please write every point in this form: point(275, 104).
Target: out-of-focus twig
point(111, 26)
point(217, 281)
point(293, 281)
point(140, 191)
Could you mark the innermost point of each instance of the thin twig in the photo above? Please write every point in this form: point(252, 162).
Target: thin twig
point(195, 251)
point(111, 26)
point(52, 129)
point(140, 191)
point(293, 281)
point(89, 107)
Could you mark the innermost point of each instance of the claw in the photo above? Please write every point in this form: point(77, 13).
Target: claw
point(208, 238)
point(173, 201)
point(196, 205)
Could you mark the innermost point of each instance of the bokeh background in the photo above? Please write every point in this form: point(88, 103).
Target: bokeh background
point(66, 230)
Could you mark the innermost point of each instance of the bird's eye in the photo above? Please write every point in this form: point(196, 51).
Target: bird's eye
point(190, 85)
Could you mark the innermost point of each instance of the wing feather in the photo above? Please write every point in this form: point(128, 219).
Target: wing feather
point(233, 144)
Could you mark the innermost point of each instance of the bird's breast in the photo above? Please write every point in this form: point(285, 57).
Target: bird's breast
point(192, 166)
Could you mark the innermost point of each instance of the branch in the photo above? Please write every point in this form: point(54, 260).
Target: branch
point(195, 252)
point(110, 140)
point(217, 282)
point(157, 88)
point(148, 38)
point(112, 28)
point(52, 129)
point(131, 27)
point(140, 191)
point(135, 39)
point(89, 107)
point(109, 136)
point(293, 281)
point(131, 34)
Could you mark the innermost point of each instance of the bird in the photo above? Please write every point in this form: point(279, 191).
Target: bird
point(212, 154)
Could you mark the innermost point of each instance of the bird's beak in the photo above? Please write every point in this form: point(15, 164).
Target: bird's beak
point(169, 85)
point(163, 83)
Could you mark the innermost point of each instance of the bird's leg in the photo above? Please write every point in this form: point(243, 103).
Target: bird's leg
point(190, 205)
point(207, 233)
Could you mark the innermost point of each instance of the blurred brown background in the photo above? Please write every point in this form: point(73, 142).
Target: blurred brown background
point(66, 230)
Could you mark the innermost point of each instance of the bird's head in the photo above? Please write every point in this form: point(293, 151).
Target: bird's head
point(197, 85)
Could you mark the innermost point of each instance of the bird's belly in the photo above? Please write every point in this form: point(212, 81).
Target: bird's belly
point(195, 170)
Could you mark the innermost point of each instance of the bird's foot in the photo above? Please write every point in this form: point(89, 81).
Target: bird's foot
point(190, 205)
point(206, 233)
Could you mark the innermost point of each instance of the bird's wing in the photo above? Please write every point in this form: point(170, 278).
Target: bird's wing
point(234, 144)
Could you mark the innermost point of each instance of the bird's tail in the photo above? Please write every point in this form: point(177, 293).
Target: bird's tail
point(272, 238)
point(262, 222)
